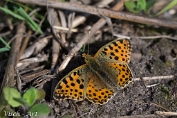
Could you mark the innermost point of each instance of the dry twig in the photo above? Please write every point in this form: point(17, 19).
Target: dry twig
point(102, 12)
point(154, 37)
point(24, 45)
point(8, 79)
point(140, 116)
point(166, 113)
point(155, 78)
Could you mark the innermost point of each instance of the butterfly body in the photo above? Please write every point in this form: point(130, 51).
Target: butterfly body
point(101, 69)
point(101, 76)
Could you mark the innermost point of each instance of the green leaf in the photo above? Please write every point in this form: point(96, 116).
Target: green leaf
point(30, 96)
point(29, 20)
point(40, 94)
point(169, 6)
point(83, 48)
point(8, 11)
point(136, 6)
point(131, 6)
point(23, 16)
point(7, 45)
point(141, 5)
point(40, 109)
point(149, 4)
point(7, 48)
point(10, 94)
point(26, 8)
point(4, 49)
point(20, 100)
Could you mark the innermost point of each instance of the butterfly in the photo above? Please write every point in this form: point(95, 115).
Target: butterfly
point(102, 75)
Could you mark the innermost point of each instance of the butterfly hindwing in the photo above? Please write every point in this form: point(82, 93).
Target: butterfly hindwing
point(96, 91)
point(125, 76)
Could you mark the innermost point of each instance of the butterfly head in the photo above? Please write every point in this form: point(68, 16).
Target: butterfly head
point(87, 57)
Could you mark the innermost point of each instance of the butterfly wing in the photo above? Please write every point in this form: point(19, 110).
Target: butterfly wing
point(118, 50)
point(114, 57)
point(72, 85)
point(96, 91)
point(124, 76)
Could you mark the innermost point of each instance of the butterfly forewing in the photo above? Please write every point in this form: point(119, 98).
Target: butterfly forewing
point(72, 85)
point(118, 50)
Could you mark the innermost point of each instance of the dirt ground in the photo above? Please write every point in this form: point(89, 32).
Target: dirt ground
point(150, 58)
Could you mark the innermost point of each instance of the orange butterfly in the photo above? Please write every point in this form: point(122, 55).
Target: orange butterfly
point(99, 79)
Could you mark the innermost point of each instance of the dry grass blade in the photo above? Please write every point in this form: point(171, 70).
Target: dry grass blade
point(36, 47)
point(26, 62)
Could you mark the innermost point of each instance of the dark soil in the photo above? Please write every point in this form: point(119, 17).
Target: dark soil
point(150, 58)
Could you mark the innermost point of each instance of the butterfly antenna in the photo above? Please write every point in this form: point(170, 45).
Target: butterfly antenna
point(89, 38)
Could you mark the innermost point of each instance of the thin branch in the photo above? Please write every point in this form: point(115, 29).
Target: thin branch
point(151, 103)
point(166, 113)
point(101, 12)
point(154, 37)
point(140, 116)
point(8, 79)
point(155, 78)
